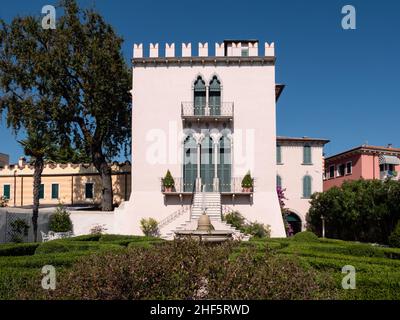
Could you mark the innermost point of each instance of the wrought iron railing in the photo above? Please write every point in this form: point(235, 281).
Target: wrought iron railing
point(232, 185)
point(173, 216)
point(224, 109)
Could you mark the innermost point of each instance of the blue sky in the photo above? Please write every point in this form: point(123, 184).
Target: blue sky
point(343, 85)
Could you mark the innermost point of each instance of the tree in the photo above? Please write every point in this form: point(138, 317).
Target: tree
point(38, 146)
point(78, 73)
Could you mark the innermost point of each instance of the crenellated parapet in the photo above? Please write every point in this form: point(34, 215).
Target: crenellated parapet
point(51, 168)
point(229, 48)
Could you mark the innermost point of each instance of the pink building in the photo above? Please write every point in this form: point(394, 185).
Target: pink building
point(363, 162)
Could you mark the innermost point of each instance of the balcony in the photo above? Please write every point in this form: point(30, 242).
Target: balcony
point(389, 174)
point(220, 112)
point(232, 187)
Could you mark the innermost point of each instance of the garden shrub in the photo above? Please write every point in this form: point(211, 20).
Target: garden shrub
point(88, 237)
point(19, 230)
point(19, 249)
point(149, 227)
point(188, 270)
point(394, 239)
point(306, 236)
point(60, 220)
point(235, 219)
point(257, 230)
point(254, 229)
point(59, 246)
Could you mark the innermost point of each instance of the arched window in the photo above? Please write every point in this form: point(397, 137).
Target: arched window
point(189, 164)
point(278, 181)
point(307, 154)
point(207, 164)
point(215, 96)
point(199, 96)
point(307, 188)
point(225, 164)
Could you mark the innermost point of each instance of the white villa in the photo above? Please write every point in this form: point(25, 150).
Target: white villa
point(209, 119)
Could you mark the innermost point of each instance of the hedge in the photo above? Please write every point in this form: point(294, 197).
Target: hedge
point(19, 249)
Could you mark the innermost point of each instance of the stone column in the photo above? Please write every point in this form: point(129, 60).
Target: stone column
point(207, 107)
point(199, 139)
point(216, 136)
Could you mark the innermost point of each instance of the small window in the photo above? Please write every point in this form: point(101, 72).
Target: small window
point(245, 52)
point(307, 154)
point(349, 168)
point(41, 191)
point(89, 190)
point(331, 172)
point(341, 170)
point(278, 154)
point(307, 189)
point(7, 191)
point(278, 181)
point(54, 191)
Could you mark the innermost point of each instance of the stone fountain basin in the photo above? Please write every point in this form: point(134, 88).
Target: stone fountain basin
point(205, 236)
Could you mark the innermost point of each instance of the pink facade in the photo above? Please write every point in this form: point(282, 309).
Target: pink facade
point(364, 162)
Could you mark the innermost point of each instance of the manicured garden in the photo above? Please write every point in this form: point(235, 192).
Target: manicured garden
point(128, 267)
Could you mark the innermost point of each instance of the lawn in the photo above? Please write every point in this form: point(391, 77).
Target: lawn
point(378, 268)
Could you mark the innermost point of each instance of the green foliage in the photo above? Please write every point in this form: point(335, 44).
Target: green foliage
point(168, 180)
point(190, 270)
point(149, 227)
point(20, 249)
point(74, 81)
point(306, 236)
point(60, 220)
point(19, 230)
point(3, 202)
point(235, 219)
point(247, 181)
point(58, 246)
point(362, 210)
point(255, 229)
point(88, 237)
point(394, 239)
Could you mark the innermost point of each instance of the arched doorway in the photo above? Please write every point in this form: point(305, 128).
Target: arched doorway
point(294, 221)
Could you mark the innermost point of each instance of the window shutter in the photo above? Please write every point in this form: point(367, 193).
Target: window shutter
point(279, 181)
point(307, 187)
point(307, 154)
point(278, 154)
point(89, 190)
point(6, 191)
point(54, 191)
point(41, 191)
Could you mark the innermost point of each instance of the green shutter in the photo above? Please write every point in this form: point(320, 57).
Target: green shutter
point(307, 154)
point(6, 191)
point(215, 97)
point(89, 190)
point(189, 165)
point(199, 96)
point(54, 191)
point(307, 187)
point(278, 154)
point(279, 181)
point(41, 191)
point(224, 165)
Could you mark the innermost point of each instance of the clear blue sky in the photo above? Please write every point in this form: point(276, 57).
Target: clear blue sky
point(341, 85)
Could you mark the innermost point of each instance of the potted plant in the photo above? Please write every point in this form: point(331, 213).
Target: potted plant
point(247, 183)
point(168, 182)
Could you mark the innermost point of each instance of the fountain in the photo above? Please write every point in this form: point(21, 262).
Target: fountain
point(205, 230)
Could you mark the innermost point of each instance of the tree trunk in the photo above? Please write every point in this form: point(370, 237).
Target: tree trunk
point(105, 172)
point(37, 180)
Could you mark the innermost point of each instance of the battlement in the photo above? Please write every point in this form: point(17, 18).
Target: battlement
point(228, 48)
point(60, 168)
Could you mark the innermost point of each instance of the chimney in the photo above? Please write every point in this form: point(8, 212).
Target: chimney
point(21, 161)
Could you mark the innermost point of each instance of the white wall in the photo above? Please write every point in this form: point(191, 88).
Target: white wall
point(292, 172)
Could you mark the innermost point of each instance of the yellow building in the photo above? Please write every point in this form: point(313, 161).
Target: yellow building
point(69, 184)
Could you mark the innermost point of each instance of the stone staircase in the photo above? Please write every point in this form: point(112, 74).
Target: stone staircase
point(211, 201)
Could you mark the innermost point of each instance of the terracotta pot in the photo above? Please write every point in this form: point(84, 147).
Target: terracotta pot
point(168, 189)
point(246, 189)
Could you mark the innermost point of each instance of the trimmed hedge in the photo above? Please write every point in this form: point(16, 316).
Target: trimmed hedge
point(305, 236)
point(58, 246)
point(19, 249)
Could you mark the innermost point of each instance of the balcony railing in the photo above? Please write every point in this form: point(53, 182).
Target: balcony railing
point(223, 110)
point(234, 185)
